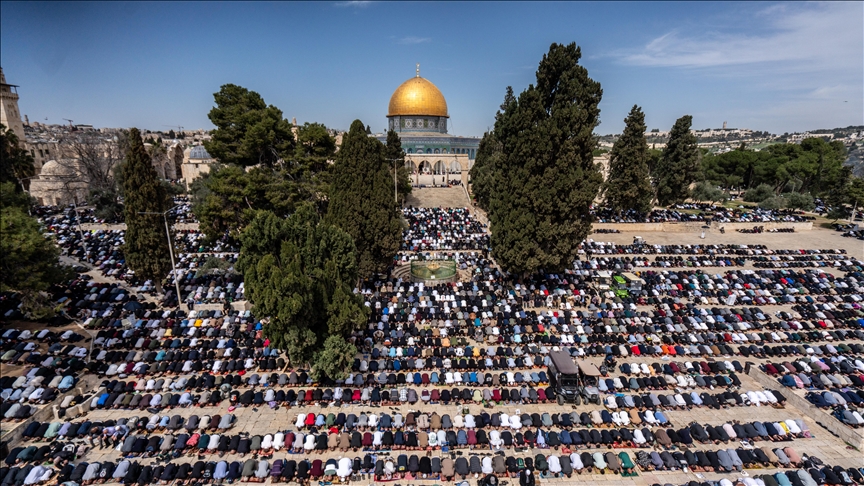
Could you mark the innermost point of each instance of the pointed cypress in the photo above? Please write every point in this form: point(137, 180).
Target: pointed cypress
point(679, 165)
point(543, 178)
point(146, 247)
point(628, 185)
point(361, 200)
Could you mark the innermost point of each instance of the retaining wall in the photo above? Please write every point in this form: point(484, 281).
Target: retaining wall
point(697, 227)
point(854, 437)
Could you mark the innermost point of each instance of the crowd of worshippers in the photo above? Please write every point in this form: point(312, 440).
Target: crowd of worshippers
point(45, 378)
point(430, 318)
point(635, 263)
point(576, 288)
point(443, 229)
point(182, 210)
point(136, 438)
point(202, 282)
point(811, 471)
point(406, 466)
point(835, 384)
point(609, 248)
point(707, 213)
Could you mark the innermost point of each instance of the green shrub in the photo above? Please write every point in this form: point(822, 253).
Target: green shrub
point(774, 202)
point(759, 193)
point(796, 200)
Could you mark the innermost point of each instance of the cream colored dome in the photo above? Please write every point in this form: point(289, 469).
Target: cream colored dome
point(52, 168)
point(417, 96)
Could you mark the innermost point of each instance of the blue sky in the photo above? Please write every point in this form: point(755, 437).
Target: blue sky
point(768, 66)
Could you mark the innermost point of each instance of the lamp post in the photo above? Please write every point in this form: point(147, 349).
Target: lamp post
point(395, 182)
point(170, 248)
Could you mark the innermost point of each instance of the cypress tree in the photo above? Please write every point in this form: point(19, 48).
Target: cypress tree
point(301, 272)
point(146, 247)
point(543, 178)
point(361, 200)
point(679, 165)
point(629, 185)
point(481, 172)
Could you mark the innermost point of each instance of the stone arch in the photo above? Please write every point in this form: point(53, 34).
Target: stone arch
point(425, 167)
point(440, 168)
point(411, 166)
point(455, 167)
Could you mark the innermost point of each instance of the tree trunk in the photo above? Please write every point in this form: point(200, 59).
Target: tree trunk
point(158, 286)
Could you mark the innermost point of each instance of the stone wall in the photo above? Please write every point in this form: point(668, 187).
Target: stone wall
point(853, 437)
point(697, 227)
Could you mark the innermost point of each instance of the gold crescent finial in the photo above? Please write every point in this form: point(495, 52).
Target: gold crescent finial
point(418, 69)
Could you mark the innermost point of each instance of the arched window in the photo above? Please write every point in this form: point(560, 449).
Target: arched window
point(410, 151)
point(437, 151)
point(429, 151)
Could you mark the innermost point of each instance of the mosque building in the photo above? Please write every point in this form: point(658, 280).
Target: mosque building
point(418, 113)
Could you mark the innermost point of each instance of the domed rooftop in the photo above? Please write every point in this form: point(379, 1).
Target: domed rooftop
point(199, 152)
point(418, 96)
point(52, 168)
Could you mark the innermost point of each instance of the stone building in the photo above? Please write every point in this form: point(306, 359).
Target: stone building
point(196, 162)
point(60, 183)
point(418, 113)
point(10, 117)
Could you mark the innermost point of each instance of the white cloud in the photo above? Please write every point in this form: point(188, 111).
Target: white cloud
point(801, 36)
point(354, 4)
point(414, 40)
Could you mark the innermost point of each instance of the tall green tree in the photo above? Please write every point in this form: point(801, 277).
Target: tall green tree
point(361, 200)
point(146, 247)
point(313, 153)
point(248, 131)
point(30, 262)
point(481, 171)
point(395, 155)
point(679, 166)
point(16, 164)
point(225, 200)
point(300, 272)
point(542, 177)
point(629, 185)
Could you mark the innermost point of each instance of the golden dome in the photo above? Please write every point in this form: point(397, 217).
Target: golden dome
point(417, 96)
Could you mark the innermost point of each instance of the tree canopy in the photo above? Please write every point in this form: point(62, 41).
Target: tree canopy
point(679, 165)
point(225, 200)
point(30, 261)
point(16, 164)
point(628, 185)
point(146, 245)
point(300, 272)
point(536, 174)
point(248, 131)
point(814, 166)
point(361, 200)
